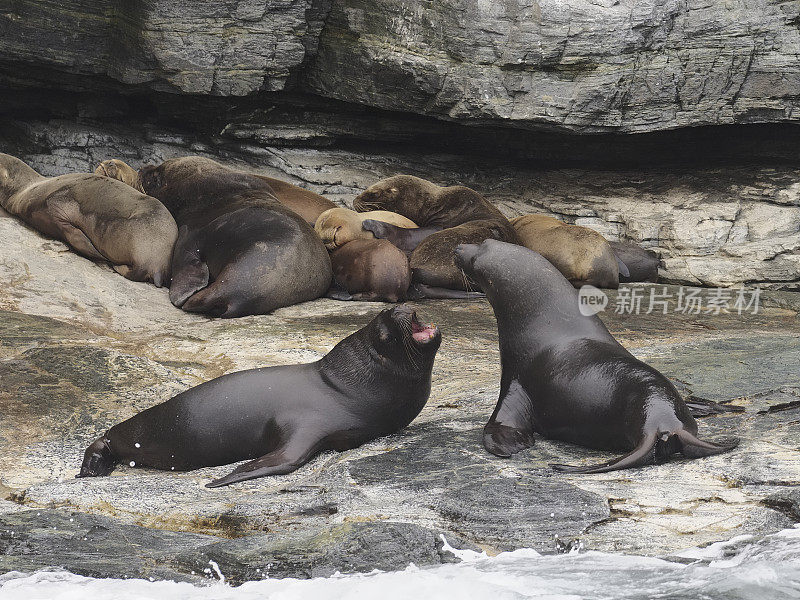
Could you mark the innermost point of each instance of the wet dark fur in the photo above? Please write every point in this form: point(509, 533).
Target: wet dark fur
point(564, 375)
point(239, 250)
point(371, 384)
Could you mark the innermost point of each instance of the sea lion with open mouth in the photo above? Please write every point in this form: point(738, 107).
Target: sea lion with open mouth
point(564, 375)
point(372, 383)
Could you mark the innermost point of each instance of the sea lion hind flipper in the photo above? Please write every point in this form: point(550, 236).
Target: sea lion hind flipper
point(693, 447)
point(421, 291)
point(643, 454)
point(700, 407)
point(278, 462)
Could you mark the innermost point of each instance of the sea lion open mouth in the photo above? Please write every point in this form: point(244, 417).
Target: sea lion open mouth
point(421, 333)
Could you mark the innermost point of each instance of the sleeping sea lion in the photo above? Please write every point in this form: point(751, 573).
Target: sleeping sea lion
point(581, 254)
point(338, 226)
point(100, 218)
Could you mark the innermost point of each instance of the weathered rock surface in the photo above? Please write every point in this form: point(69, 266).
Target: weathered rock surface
point(82, 348)
point(581, 65)
point(228, 48)
point(578, 65)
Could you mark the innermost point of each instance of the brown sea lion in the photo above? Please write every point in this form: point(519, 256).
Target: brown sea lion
point(239, 251)
point(304, 202)
point(338, 226)
point(565, 377)
point(100, 218)
point(447, 216)
point(581, 254)
point(371, 270)
point(372, 383)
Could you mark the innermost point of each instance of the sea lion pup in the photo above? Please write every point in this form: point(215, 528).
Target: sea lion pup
point(447, 216)
point(239, 251)
point(565, 377)
point(373, 270)
point(98, 217)
point(372, 383)
point(304, 202)
point(338, 226)
point(581, 254)
point(642, 264)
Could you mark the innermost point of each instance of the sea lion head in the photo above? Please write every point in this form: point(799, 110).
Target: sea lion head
point(401, 342)
point(14, 176)
point(119, 170)
point(403, 194)
point(337, 226)
point(151, 179)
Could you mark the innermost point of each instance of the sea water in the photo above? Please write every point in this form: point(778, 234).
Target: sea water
point(764, 568)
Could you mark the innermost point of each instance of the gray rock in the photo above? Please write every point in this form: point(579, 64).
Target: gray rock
point(579, 65)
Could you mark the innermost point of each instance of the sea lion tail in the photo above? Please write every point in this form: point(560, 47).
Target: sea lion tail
point(652, 450)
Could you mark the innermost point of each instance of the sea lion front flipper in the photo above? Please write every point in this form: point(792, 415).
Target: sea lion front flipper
point(510, 430)
point(189, 272)
point(623, 268)
point(405, 238)
point(285, 459)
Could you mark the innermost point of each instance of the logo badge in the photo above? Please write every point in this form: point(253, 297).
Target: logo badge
point(591, 300)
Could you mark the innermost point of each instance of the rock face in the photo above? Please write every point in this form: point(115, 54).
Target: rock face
point(228, 48)
point(578, 65)
point(82, 348)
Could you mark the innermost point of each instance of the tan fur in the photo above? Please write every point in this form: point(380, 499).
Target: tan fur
point(119, 170)
point(339, 226)
point(98, 217)
point(581, 254)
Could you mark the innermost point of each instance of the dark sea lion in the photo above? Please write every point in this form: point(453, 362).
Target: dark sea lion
point(462, 214)
point(239, 251)
point(338, 226)
point(564, 375)
point(304, 202)
point(581, 254)
point(371, 270)
point(100, 218)
point(642, 264)
point(372, 383)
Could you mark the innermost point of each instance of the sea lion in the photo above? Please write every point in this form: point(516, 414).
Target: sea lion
point(371, 270)
point(338, 226)
point(100, 218)
point(304, 202)
point(372, 383)
point(239, 251)
point(564, 375)
point(581, 254)
point(642, 264)
point(447, 216)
